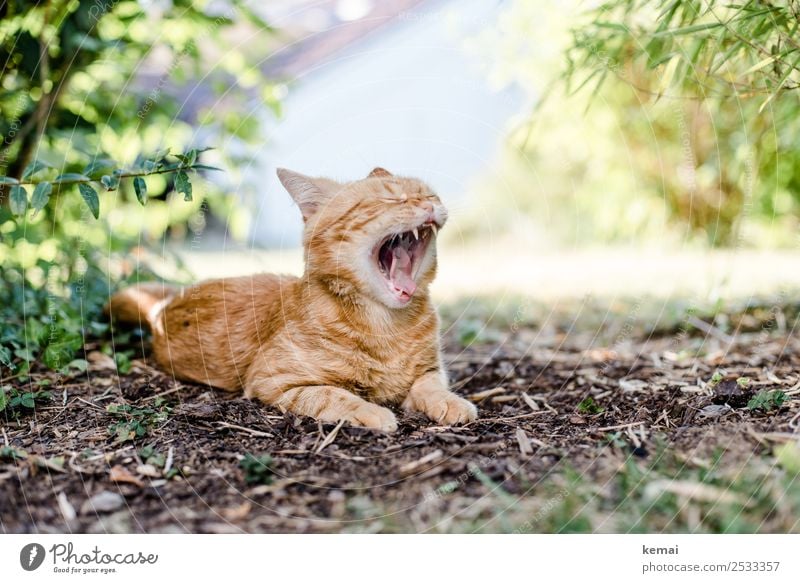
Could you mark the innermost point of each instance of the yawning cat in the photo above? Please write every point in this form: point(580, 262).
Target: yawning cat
point(356, 332)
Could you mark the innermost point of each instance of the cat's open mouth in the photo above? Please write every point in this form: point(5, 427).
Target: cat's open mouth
point(399, 256)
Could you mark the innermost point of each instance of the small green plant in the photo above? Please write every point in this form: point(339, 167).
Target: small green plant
point(151, 456)
point(469, 331)
point(136, 422)
point(716, 379)
point(257, 469)
point(589, 407)
point(743, 382)
point(767, 400)
point(15, 402)
point(123, 361)
point(12, 453)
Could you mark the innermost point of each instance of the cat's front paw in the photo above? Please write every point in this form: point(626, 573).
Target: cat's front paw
point(373, 416)
point(446, 408)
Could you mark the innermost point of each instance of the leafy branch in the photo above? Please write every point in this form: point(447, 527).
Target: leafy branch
point(712, 49)
point(107, 174)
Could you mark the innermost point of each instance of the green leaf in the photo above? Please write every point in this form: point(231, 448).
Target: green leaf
point(25, 354)
point(612, 26)
point(99, 166)
point(205, 167)
point(3, 399)
point(140, 188)
point(662, 59)
point(759, 65)
point(589, 407)
point(70, 177)
point(89, 194)
point(668, 74)
point(789, 71)
point(160, 155)
point(41, 194)
point(5, 356)
point(18, 200)
point(183, 185)
point(688, 29)
point(12, 453)
point(8, 180)
point(110, 182)
point(33, 168)
point(766, 400)
point(79, 364)
point(188, 158)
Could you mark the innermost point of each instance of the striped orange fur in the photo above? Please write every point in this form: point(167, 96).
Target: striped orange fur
point(355, 334)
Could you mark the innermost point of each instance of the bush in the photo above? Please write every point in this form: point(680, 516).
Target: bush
point(671, 118)
point(95, 160)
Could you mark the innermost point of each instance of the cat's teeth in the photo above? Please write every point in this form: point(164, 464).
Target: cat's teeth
point(416, 233)
point(433, 228)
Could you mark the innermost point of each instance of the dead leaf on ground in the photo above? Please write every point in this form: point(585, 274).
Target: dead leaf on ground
point(121, 474)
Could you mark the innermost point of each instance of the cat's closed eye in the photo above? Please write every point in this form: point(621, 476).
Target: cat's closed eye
point(402, 197)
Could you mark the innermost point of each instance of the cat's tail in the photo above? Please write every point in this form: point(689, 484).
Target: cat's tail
point(141, 304)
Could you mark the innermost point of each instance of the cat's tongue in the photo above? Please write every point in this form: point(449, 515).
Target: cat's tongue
point(400, 271)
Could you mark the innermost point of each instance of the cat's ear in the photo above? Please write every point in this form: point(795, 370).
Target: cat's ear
point(380, 173)
point(307, 192)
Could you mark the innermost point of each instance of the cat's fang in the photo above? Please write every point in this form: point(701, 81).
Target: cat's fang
point(434, 229)
point(416, 233)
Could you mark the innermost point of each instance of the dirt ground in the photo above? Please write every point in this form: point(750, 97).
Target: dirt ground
point(67, 467)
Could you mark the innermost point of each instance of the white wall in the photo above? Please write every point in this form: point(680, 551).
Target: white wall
point(409, 98)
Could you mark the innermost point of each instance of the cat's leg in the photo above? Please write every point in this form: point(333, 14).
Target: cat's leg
point(430, 395)
point(333, 404)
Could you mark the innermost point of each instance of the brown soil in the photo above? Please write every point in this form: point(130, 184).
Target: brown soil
point(329, 479)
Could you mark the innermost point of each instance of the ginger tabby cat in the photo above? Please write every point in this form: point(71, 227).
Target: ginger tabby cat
point(356, 332)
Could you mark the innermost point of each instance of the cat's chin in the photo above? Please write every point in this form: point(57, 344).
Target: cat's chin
point(400, 259)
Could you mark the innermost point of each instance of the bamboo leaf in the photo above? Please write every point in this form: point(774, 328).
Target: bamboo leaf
point(759, 65)
point(8, 180)
point(688, 29)
point(780, 85)
point(669, 74)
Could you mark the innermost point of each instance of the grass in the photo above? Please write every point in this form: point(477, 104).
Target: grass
point(667, 494)
point(484, 319)
point(625, 494)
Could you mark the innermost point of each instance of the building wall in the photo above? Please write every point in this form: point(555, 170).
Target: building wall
point(409, 98)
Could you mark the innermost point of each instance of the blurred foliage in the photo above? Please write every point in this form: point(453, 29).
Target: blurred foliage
point(93, 96)
point(668, 119)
